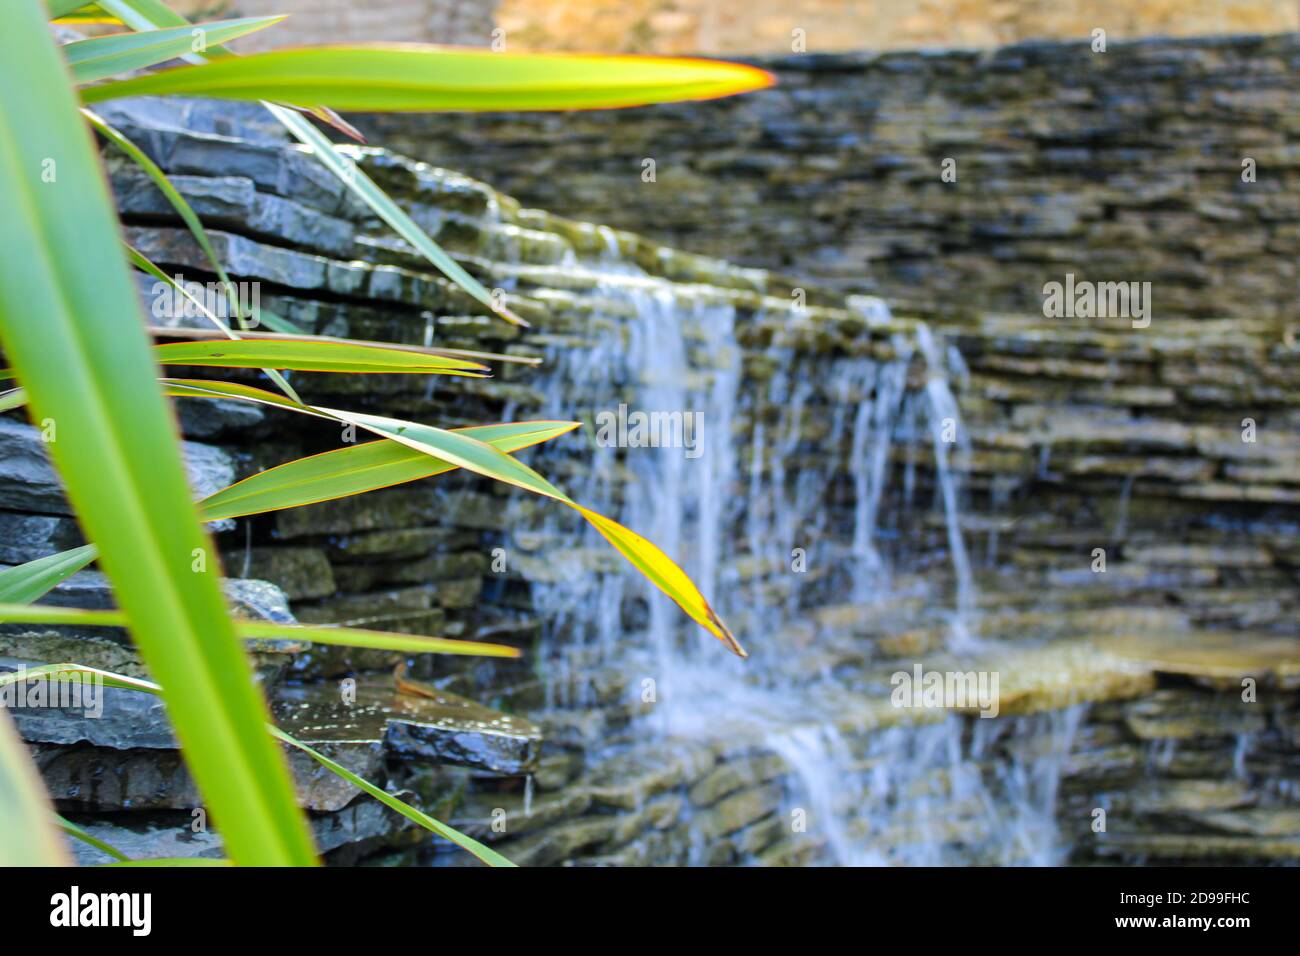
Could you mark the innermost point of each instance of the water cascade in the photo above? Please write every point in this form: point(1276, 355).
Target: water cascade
point(737, 499)
point(804, 458)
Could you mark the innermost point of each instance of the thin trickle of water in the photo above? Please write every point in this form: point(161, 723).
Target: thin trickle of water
point(1121, 519)
point(873, 432)
point(944, 794)
point(946, 435)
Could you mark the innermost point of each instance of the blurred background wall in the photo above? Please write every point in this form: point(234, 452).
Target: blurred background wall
point(750, 26)
point(336, 21)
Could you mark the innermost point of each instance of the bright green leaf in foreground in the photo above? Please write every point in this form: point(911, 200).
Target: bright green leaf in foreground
point(87, 365)
point(479, 457)
point(358, 468)
point(152, 14)
point(28, 836)
point(312, 355)
point(27, 582)
point(396, 77)
point(267, 630)
point(61, 8)
point(100, 57)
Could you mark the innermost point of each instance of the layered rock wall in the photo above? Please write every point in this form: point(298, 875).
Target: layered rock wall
point(1122, 165)
point(1122, 687)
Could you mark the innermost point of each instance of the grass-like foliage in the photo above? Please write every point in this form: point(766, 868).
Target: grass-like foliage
point(82, 359)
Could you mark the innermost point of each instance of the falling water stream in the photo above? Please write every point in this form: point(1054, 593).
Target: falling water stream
point(740, 512)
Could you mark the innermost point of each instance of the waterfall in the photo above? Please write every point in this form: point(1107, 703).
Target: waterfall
point(770, 532)
point(946, 434)
point(934, 795)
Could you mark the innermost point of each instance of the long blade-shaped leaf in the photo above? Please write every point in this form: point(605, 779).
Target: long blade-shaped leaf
point(140, 261)
point(383, 206)
point(472, 355)
point(479, 457)
point(87, 366)
point(486, 854)
point(394, 77)
point(61, 8)
point(146, 265)
point(268, 630)
point(72, 830)
point(27, 582)
point(661, 571)
point(312, 355)
point(204, 388)
point(100, 57)
point(353, 470)
point(152, 14)
point(28, 836)
point(13, 398)
point(460, 449)
point(170, 193)
point(109, 679)
point(324, 477)
point(357, 469)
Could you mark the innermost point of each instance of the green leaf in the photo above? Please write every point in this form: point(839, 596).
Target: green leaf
point(13, 398)
point(151, 14)
point(70, 828)
point(100, 57)
point(372, 640)
point(312, 355)
point(361, 468)
point(486, 854)
point(27, 834)
point(661, 571)
point(267, 630)
point(416, 77)
point(173, 861)
point(456, 447)
point(481, 458)
point(358, 468)
point(109, 679)
point(383, 206)
point(61, 8)
point(211, 388)
point(183, 209)
point(473, 355)
point(24, 583)
point(140, 261)
point(88, 366)
point(170, 193)
point(146, 265)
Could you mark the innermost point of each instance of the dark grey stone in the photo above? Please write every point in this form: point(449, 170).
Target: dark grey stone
point(28, 482)
point(232, 202)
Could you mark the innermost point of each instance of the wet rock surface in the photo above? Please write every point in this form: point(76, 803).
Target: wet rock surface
point(435, 726)
point(1123, 165)
point(1119, 689)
